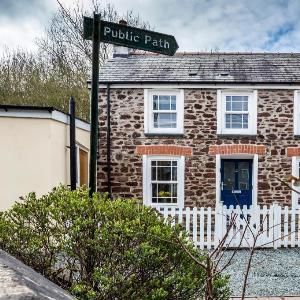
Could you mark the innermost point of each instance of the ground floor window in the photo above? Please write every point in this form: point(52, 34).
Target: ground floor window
point(163, 180)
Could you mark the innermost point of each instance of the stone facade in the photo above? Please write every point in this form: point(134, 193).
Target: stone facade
point(274, 136)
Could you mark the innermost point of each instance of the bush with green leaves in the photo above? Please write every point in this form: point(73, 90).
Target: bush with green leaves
point(103, 249)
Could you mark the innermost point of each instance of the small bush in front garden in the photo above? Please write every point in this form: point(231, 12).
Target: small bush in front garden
point(103, 249)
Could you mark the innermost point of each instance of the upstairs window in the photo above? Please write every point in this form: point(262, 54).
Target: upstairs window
point(164, 111)
point(237, 113)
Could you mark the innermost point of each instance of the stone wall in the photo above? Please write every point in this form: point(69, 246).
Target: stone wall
point(275, 132)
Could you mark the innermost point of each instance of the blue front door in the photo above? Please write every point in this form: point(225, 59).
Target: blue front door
point(236, 182)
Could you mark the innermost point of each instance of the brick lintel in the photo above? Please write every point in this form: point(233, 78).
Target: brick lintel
point(293, 151)
point(164, 150)
point(237, 149)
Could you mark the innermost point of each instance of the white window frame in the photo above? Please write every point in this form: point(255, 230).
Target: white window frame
point(252, 113)
point(147, 192)
point(295, 172)
point(296, 112)
point(148, 111)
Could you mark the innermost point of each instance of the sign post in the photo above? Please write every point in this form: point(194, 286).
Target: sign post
point(94, 104)
point(118, 34)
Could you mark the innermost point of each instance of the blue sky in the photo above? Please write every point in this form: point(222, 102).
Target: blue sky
point(198, 25)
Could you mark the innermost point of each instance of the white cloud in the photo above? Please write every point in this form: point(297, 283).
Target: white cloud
point(198, 25)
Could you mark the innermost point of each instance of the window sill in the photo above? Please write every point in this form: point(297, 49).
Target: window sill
point(164, 134)
point(165, 206)
point(234, 135)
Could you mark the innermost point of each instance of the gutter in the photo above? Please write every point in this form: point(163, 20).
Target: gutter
point(108, 141)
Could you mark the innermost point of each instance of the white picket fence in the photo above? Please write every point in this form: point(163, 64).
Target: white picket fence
point(274, 226)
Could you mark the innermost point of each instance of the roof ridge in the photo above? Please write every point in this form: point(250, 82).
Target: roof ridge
point(186, 53)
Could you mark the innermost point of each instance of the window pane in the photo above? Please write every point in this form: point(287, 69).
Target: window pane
point(164, 189)
point(174, 190)
point(164, 104)
point(228, 103)
point(245, 121)
point(229, 175)
point(153, 173)
point(237, 106)
point(154, 190)
point(174, 173)
point(164, 97)
point(155, 104)
point(228, 121)
point(245, 107)
point(236, 121)
point(243, 173)
point(236, 103)
point(164, 120)
point(164, 163)
point(164, 173)
point(173, 102)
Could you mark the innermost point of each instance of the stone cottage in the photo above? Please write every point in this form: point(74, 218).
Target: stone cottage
point(200, 129)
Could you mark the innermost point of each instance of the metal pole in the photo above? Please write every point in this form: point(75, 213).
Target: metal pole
point(108, 143)
point(94, 105)
point(73, 156)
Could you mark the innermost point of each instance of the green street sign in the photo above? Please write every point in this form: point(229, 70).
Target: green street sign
point(131, 37)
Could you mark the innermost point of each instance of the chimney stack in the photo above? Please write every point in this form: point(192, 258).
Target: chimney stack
point(120, 51)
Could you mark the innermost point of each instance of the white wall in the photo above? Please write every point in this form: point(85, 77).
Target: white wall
point(33, 156)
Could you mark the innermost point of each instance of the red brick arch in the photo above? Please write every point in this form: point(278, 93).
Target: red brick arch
point(237, 149)
point(293, 151)
point(164, 150)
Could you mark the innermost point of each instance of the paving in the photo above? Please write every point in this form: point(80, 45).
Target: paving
point(19, 282)
point(274, 274)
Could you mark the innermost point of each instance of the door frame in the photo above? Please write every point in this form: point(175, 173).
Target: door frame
point(253, 157)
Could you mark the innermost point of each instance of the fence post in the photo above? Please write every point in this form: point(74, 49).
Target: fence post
point(187, 220)
point(208, 228)
point(195, 225)
point(293, 221)
point(276, 225)
point(218, 225)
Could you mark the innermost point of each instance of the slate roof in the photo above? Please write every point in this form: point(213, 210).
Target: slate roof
point(204, 68)
point(19, 282)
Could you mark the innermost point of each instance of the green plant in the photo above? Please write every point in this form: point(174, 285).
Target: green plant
point(103, 249)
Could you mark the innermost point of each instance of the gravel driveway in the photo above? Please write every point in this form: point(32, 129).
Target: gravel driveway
point(273, 272)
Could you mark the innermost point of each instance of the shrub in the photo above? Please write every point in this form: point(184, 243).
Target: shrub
point(103, 249)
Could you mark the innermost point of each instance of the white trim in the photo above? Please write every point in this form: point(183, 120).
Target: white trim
point(218, 181)
point(254, 179)
point(200, 86)
point(148, 115)
point(295, 172)
point(296, 115)
point(42, 114)
point(147, 179)
point(146, 111)
point(219, 111)
point(252, 112)
point(254, 157)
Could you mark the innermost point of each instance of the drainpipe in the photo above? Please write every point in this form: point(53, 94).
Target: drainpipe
point(73, 157)
point(108, 141)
